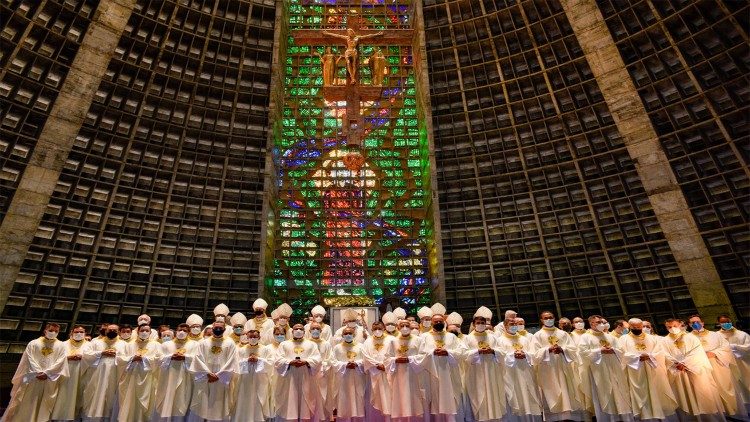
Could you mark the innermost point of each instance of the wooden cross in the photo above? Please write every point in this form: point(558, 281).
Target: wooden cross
point(352, 92)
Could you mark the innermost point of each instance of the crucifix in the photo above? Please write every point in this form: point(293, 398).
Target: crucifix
point(353, 93)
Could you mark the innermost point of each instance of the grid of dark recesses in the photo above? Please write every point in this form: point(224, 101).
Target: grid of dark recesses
point(540, 201)
point(159, 205)
point(689, 61)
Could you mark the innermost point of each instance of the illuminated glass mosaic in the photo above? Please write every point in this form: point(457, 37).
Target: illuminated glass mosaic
point(353, 208)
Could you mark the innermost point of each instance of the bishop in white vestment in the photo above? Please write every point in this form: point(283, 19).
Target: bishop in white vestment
point(213, 366)
point(297, 364)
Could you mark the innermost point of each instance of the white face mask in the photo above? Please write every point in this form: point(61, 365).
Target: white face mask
point(405, 331)
point(318, 318)
point(283, 322)
point(166, 339)
point(606, 326)
point(647, 330)
point(78, 336)
point(415, 332)
point(521, 327)
point(280, 337)
point(427, 324)
point(390, 328)
point(348, 338)
point(378, 333)
point(675, 330)
point(298, 333)
point(196, 330)
point(50, 335)
point(181, 335)
point(144, 335)
point(549, 322)
point(351, 324)
point(601, 327)
point(315, 333)
point(125, 336)
point(244, 339)
point(579, 325)
point(480, 328)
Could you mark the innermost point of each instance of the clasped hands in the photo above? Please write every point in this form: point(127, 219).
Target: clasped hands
point(298, 363)
point(440, 352)
point(555, 349)
point(606, 350)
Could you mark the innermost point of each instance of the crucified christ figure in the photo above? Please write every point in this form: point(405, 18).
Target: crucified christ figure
point(350, 54)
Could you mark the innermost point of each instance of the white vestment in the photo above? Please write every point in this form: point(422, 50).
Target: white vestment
point(651, 396)
point(724, 371)
point(264, 326)
point(739, 343)
point(174, 389)
point(444, 375)
point(137, 380)
point(213, 400)
point(603, 378)
point(323, 378)
point(359, 335)
point(33, 399)
point(483, 378)
point(100, 392)
point(556, 374)
point(373, 354)
point(694, 388)
point(252, 386)
point(297, 398)
point(406, 396)
point(69, 401)
point(520, 383)
point(348, 389)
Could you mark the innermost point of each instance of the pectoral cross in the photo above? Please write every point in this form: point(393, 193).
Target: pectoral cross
point(352, 93)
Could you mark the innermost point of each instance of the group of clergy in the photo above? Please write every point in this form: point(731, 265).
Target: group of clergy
point(400, 369)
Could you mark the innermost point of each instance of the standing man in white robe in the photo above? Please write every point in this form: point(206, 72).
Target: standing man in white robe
point(237, 323)
point(323, 378)
point(318, 314)
point(391, 327)
point(454, 321)
point(261, 322)
point(651, 396)
point(138, 366)
point(349, 318)
point(101, 363)
point(724, 367)
point(37, 378)
point(404, 356)
point(175, 381)
point(283, 313)
point(443, 355)
point(221, 314)
point(739, 343)
point(554, 358)
point(195, 323)
point(521, 388)
point(213, 366)
point(579, 329)
point(69, 399)
point(425, 319)
point(484, 372)
point(297, 365)
point(348, 394)
point(689, 374)
point(252, 381)
point(602, 374)
point(373, 356)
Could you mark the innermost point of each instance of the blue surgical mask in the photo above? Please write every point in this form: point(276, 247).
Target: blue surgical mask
point(348, 338)
point(625, 331)
point(513, 329)
point(549, 322)
point(697, 326)
point(280, 338)
point(726, 326)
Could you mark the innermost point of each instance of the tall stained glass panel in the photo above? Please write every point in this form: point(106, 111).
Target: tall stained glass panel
point(353, 219)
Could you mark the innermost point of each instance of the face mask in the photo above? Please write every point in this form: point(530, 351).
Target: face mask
point(378, 333)
point(298, 333)
point(726, 326)
point(253, 341)
point(166, 339)
point(348, 338)
point(625, 331)
point(405, 331)
point(480, 328)
point(675, 330)
point(636, 332)
point(390, 328)
point(244, 339)
point(427, 324)
point(50, 335)
point(351, 324)
point(111, 335)
point(438, 326)
point(647, 330)
point(144, 335)
point(283, 322)
point(259, 312)
point(279, 338)
point(181, 335)
point(606, 326)
point(579, 325)
point(220, 318)
point(237, 330)
point(697, 326)
point(521, 327)
point(196, 330)
point(218, 331)
point(318, 319)
point(601, 327)
point(513, 329)
point(415, 332)
point(549, 322)
point(125, 336)
point(315, 333)
point(78, 336)
point(567, 328)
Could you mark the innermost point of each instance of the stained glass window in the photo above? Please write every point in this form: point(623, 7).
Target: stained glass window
point(348, 233)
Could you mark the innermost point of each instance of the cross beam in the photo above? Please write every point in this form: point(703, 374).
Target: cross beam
point(316, 37)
